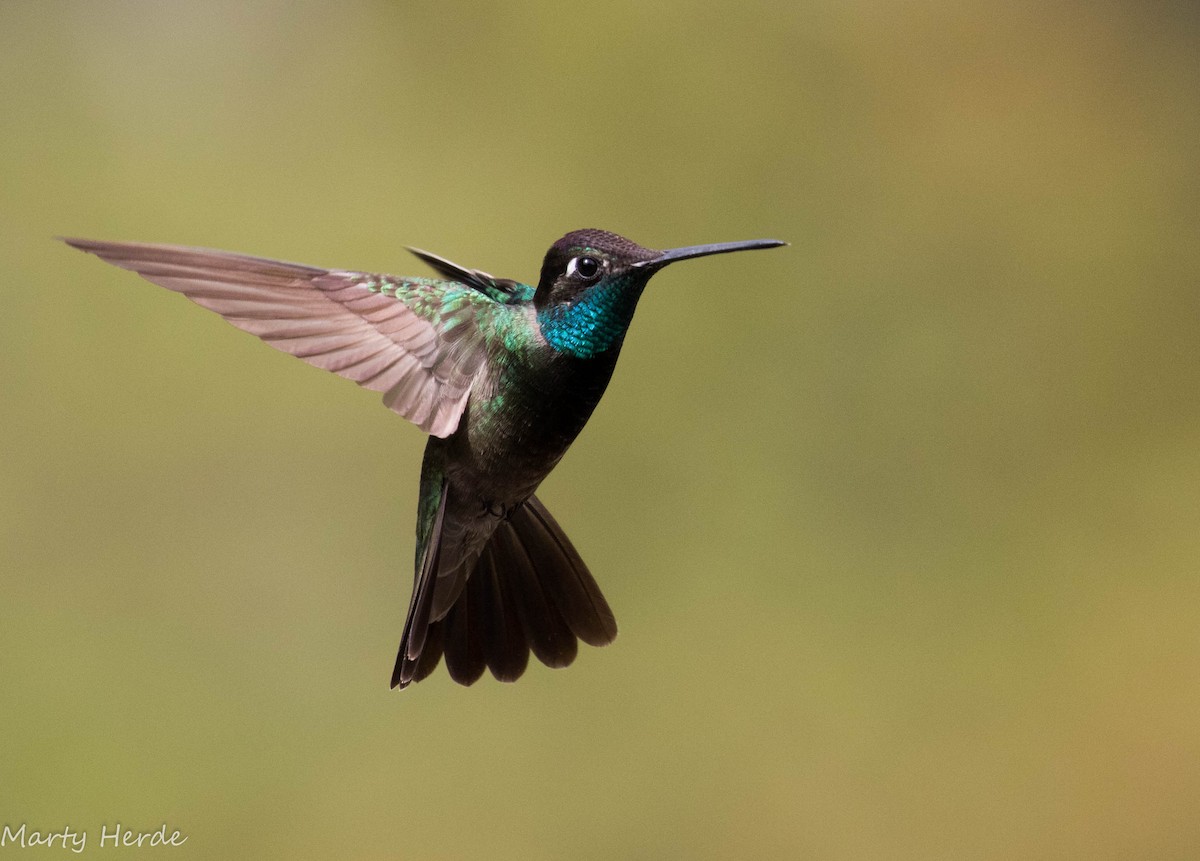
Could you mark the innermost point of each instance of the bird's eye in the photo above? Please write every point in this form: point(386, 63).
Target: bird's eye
point(586, 268)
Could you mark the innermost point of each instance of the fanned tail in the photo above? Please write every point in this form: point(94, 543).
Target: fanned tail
point(529, 591)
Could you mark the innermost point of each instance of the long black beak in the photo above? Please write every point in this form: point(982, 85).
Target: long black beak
point(673, 254)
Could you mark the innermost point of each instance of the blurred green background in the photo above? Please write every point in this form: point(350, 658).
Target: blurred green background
point(901, 524)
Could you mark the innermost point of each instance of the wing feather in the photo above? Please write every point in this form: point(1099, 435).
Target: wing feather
point(392, 335)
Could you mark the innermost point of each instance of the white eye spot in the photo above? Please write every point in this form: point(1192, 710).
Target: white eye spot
point(585, 268)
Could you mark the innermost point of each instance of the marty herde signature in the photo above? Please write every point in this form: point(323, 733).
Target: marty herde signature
point(68, 838)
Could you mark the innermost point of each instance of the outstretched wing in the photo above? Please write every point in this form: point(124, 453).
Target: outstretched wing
point(417, 340)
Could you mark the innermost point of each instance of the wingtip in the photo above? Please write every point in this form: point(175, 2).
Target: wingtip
point(423, 255)
point(89, 246)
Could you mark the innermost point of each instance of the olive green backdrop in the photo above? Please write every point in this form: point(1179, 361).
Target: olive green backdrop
point(901, 523)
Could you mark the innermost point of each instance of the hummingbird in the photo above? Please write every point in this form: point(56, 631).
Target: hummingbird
point(501, 375)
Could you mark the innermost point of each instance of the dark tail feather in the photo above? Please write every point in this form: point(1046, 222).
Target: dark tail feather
point(568, 583)
point(529, 591)
point(465, 658)
point(503, 640)
point(431, 653)
point(415, 661)
point(547, 634)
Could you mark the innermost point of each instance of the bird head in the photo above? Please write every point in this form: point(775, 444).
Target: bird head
point(591, 281)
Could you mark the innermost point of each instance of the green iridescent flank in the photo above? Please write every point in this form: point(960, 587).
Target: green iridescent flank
point(595, 322)
point(490, 413)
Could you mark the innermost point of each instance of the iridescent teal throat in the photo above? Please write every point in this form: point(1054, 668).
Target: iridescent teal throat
point(595, 322)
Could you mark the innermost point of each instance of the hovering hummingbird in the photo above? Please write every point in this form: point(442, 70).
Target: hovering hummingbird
point(501, 375)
